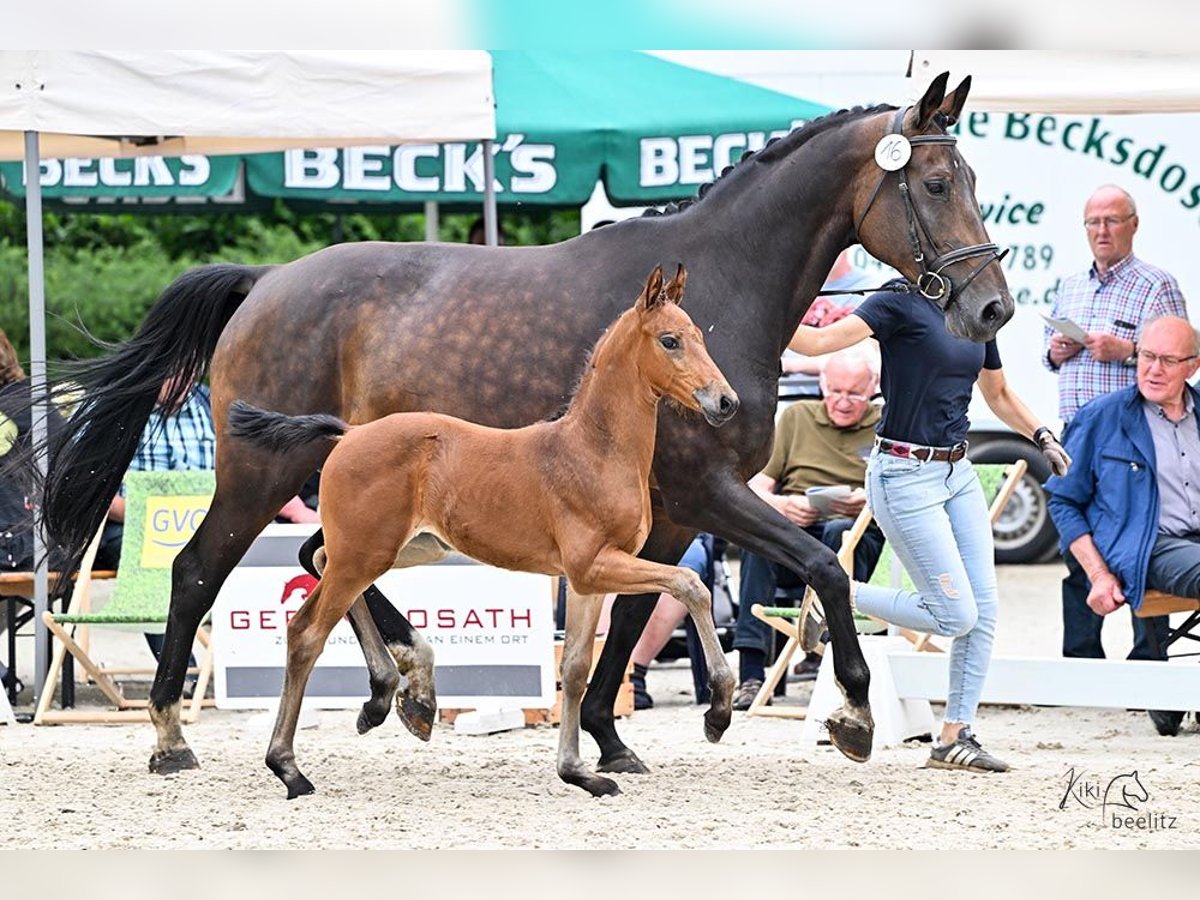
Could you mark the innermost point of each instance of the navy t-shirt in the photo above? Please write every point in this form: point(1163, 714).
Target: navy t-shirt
point(927, 372)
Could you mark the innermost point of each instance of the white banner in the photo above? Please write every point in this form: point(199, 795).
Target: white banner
point(492, 633)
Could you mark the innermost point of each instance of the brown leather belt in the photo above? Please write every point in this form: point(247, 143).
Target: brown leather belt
point(921, 452)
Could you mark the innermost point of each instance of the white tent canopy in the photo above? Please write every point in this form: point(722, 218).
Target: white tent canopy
point(1057, 82)
point(60, 103)
point(105, 103)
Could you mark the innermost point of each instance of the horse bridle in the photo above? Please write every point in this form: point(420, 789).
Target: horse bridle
point(931, 282)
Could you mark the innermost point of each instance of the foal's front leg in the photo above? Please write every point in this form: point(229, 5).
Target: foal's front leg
point(616, 570)
point(583, 612)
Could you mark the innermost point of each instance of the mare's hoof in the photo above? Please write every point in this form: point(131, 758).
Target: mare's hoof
point(168, 762)
point(852, 731)
point(369, 718)
point(416, 716)
point(627, 764)
point(299, 786)
point(714, 725)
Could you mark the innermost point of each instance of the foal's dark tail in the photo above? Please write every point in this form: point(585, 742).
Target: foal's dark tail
point(281, 433)
point(117, 392)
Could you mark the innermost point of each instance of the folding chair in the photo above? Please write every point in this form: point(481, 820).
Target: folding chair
point(998, 482)
point(162, 510)
point(1156, 603)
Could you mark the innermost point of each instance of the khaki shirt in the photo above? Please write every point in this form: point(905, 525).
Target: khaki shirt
point(810, 451)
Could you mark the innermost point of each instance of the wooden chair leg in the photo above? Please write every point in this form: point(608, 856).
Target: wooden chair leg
point(105, 683)
point(206, 668)
point(758, 706)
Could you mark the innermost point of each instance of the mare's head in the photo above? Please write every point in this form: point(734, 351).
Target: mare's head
point(915, 208)
point(672, 355)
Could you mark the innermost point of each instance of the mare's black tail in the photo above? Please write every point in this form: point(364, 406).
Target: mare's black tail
point(278, 432)
point(117, 392)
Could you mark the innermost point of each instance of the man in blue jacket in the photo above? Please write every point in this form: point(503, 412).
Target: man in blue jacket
point(1130, 507)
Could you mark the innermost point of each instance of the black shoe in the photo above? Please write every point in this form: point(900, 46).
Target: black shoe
point(965, 753)
point(641, 697)
point(1166, 721)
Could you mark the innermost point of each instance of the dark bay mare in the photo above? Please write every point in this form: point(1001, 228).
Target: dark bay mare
point(570, 496)
point(496, 336)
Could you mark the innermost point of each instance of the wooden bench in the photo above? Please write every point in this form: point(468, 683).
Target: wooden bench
point(20, 584)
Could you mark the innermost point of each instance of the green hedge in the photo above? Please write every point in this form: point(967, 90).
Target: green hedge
point(105, 271)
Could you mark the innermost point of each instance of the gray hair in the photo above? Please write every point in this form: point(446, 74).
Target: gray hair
point(1195, 348)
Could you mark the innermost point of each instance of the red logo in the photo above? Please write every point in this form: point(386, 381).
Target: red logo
point(298, 589)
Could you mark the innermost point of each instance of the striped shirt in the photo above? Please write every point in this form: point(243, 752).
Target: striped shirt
point(183, 441)
point(1177, 461)
point(1129, 294)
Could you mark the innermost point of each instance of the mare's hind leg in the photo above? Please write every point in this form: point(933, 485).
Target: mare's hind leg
point(617, 570)
point(583, 612)
point(197, 575)
point(307, 633)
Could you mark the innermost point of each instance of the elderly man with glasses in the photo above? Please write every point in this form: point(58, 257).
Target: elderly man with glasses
point(1111, 301)
point(818, 443)
point(1129, 509)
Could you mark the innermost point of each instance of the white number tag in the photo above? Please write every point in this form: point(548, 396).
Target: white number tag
point(892, 152)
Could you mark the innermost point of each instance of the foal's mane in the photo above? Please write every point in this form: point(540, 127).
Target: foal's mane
point(775, 148)
point(589, 365)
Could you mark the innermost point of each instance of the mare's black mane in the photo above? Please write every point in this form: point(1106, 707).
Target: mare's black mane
point(775, 148)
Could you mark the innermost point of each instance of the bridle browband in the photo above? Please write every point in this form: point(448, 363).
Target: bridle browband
point(932, 284)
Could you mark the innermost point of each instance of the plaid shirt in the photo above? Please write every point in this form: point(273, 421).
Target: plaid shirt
point(183, 441)
point(1120, 303)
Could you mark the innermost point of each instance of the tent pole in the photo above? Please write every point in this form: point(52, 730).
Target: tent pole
point(491, 226)
point(37, 377)
point(431, 221)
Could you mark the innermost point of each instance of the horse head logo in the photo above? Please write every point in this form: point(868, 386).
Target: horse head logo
point(298, 589)
point(1126, 791)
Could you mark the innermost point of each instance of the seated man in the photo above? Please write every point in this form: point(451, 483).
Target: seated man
point(818, 443)
point(1129, 510)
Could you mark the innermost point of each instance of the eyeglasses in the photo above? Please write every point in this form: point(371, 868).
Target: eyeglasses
point(846, 395)
point(1107, 222)
point(1168, 362)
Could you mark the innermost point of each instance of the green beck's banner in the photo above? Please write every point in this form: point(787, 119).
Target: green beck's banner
point(651, 130)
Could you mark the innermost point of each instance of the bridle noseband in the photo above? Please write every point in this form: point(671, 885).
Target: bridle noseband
point(931, 282)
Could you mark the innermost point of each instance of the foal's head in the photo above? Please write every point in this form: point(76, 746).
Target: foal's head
point(671, 354)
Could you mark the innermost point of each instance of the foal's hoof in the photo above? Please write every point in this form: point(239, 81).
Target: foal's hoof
point(852, 731)
point(601, 787)
point(371, 717)
point(416, 716)
point(715, 724)
point(625, 763)
point(168, 762)
point(593, 784)
point(299, 786)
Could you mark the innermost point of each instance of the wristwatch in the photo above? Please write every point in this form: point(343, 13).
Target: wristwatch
point(1131, 359)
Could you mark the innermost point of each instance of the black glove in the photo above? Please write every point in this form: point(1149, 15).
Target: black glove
point(1056, 456)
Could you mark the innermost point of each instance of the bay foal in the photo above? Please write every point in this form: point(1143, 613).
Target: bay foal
point(565, 497)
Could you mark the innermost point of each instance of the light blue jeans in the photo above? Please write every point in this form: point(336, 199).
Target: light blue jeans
point(936, 519)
